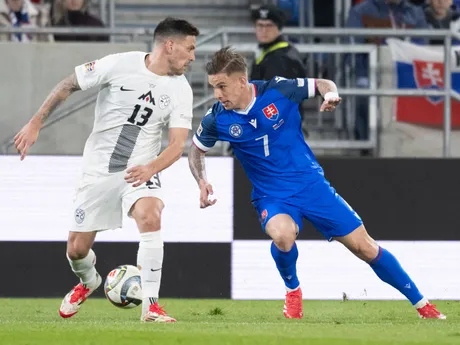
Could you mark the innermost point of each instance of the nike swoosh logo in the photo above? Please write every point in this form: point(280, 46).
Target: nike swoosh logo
point(155, 270)
point(123, 89)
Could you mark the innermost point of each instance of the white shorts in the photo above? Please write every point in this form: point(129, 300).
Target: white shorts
point(100, 201)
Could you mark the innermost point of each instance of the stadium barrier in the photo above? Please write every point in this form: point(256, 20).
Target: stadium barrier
point(409, 206)
point(223, 36)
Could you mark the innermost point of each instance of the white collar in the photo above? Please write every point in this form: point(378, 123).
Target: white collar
point(251, 104)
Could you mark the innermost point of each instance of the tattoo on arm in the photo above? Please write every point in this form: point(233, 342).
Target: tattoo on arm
point(58, 95)
point(324, 86)
point(196, 163)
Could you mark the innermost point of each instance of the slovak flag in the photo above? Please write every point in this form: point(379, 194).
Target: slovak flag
point(422, 67)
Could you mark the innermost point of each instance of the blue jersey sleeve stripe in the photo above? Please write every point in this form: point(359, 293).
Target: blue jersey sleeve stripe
point(199, 144)
point(311, 87)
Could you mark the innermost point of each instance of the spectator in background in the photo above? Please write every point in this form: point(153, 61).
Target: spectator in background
point(22, 13)
point(396, 14)
point(439, 14)
point(277, 56)
point(74, 13)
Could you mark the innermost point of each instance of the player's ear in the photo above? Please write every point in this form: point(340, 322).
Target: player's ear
point(243, 80)
point(169, 46)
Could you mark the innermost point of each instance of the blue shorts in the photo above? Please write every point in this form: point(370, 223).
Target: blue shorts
point(319, 203)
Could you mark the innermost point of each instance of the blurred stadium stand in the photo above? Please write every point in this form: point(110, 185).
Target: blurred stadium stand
point(137, 19)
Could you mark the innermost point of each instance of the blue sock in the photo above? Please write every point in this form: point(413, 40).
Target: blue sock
point(388, 269)
point(286, 265)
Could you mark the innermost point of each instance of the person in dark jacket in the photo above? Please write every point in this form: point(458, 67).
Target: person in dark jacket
point(74, 13)
point(439, 14)
point(277, 56)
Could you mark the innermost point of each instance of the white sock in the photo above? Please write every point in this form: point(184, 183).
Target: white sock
point(290, 290)
point(421, 303)
point(150, 262)
point(84, 268)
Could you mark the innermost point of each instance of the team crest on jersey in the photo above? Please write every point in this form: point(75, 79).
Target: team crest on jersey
point(236, 130)
point(164, 101)
point(90, 66)
point(148, 97)
point(271, 112)
point(79, 216)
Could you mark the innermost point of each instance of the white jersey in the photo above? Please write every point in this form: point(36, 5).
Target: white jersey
point(133, 106)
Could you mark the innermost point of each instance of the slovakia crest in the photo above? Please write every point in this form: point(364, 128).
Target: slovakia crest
point(429, 75)
point(271, 112)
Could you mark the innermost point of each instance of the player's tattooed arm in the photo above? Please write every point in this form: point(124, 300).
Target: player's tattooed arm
point(196, 163)
point(58, 95)
point(198, 169)
point(323, 86)
point(28, 135)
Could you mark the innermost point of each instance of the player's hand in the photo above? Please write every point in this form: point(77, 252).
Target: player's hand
point(139, 174)
point(205, 192)
point(330, 104)
point(26, 137)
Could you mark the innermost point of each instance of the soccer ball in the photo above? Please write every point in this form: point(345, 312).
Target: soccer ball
point(123, 288)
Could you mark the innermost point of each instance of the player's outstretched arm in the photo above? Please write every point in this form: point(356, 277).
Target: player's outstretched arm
point(197, 165)
point(58, 95)
point(328, 90)
point(29, 133)
point(142, 173)
point(196, 161)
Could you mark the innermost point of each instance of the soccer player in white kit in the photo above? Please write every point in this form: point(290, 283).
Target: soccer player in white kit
point(139, 94)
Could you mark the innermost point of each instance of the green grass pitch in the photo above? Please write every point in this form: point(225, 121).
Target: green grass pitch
point(220, 322)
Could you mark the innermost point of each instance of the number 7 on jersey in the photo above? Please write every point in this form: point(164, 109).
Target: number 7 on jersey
point(265, 142)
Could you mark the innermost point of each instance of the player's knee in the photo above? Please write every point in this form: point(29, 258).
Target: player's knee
point(284, 235)
point(148, 221)
point(77, 250)
point(366, 250)
point(147, 214)
point(360, 244)
point(284, 243)
point(79, 244)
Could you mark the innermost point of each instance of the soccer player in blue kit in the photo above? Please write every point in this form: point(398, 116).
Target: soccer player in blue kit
point(261, 121)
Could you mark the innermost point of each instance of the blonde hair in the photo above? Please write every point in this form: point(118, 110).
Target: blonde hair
point(227, 61)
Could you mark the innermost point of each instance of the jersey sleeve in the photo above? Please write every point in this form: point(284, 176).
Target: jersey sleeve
point(96, 72)
point(296, 90)
point(182, 113)
point(206, 135)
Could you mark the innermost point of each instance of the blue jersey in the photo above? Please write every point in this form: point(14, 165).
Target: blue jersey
point(266, 137)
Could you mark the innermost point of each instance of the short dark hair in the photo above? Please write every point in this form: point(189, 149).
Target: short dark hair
point(174, 27)
point(226, 61)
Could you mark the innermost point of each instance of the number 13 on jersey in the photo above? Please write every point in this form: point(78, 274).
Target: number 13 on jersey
point(265, 143)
